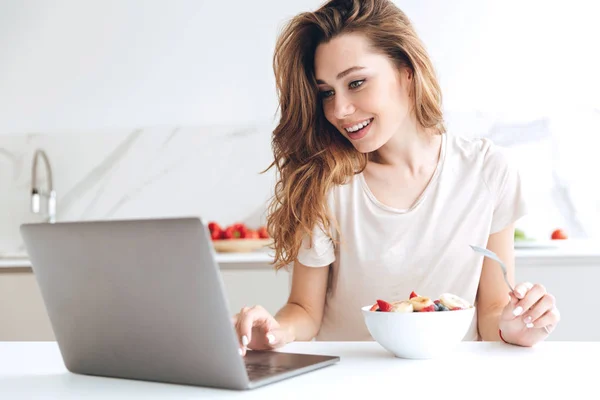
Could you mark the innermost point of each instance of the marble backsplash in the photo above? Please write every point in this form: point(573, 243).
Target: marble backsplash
point(212, 172)
point(215, 172)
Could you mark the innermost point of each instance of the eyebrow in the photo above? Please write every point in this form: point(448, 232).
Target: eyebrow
point(342, 74)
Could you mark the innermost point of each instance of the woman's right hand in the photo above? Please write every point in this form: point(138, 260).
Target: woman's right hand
point(259, 330)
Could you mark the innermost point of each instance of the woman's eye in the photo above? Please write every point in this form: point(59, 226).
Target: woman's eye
point(355, 84)
point(326, 93)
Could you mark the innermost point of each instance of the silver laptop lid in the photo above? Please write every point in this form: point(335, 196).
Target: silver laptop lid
point(137, 299)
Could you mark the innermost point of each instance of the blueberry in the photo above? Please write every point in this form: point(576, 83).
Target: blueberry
point(437, 307)
point(443, 307)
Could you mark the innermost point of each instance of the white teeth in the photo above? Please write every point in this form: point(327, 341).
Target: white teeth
point(358, 126)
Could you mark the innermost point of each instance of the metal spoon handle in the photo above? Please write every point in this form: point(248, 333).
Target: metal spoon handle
point(493, 256)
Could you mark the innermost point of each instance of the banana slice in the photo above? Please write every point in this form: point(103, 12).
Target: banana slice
point(453, 301)
point(402, 307)
point(421, 302)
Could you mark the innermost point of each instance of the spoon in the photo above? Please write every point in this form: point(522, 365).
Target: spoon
point(493, 256)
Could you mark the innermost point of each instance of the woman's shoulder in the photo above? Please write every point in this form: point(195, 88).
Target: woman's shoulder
point(472, 146)
point(478, 151)
point(492, 161)
point(344, 192)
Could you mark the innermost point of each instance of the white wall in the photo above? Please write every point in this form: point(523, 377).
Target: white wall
point(76, 65)
point(73, 65)
point(509, 69)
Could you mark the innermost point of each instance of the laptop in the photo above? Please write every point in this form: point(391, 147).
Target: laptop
point(144, 299)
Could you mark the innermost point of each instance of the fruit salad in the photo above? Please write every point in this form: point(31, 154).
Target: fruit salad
point(416, 303)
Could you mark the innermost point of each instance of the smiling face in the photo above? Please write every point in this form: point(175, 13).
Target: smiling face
point(363, 93)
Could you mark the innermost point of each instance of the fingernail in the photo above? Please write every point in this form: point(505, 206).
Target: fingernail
point(529, 325)
point(270, 338)
point(527, 319)
point(240, 352)
point(520, 293)
point(517, 311)
point(245, 340)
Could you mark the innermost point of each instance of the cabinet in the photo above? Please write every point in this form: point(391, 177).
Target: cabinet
point(23, 315)
point(571, 277)
point(22, 312)
point(575, 288)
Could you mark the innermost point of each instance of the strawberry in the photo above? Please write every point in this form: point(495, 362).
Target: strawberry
point(384, 305)
point(428, 309)
point(436, 301)
point(456, 308)
point(228, 233)
point(263, 233)
point(215, 230)
point(235, 231)
point(251, 234)
point(375, 307)
point(413, 294)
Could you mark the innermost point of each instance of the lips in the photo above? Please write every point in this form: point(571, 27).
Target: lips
point(357, 125)
point(362, 132)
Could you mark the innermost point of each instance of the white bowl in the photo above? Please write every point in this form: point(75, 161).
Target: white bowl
point(418, 335)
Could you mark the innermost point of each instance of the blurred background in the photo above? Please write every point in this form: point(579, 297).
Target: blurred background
point(153, 108)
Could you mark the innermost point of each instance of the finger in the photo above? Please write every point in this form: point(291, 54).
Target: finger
point(248, 320)
point(534, 294)
point(507, 313)
point(513, 300)
point(234, 322)
point(545, 304)
point(548, 319)
point(522, 288)
point(237, 318)
point(238, 328)
point(278, 337)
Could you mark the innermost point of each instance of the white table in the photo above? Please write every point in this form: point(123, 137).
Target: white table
point(474, 371)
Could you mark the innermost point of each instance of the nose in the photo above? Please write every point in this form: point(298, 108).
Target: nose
point(342, 107)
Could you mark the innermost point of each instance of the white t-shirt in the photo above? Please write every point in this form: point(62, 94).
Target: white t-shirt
point(386, 253)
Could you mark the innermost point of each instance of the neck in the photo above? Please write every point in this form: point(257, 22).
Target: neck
point(411, 147)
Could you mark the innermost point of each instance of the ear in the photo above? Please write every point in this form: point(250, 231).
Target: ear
point(405, 75)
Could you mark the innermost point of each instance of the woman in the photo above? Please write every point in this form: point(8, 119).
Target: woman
point(374, 199)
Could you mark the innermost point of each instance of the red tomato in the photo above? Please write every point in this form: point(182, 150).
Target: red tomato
point(559, 234)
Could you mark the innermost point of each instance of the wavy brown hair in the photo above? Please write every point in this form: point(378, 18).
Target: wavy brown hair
point(311, 155)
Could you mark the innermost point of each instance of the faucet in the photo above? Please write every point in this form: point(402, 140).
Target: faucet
point(36, 194)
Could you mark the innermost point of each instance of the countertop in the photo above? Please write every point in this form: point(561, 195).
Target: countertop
point(570, 252)
point(475, 370)
point(226, 260)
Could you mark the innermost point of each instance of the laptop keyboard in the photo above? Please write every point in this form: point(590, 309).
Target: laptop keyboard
point(257, 371)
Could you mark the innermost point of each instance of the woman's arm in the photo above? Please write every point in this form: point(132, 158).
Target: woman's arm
point(493, 293)
point(302, 314)
point(300, 319)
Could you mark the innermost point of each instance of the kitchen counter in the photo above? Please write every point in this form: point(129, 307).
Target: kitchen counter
point(476, 370)
point(249, 279)
point(572, 252)
point(225, 260)
point(559, 253)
